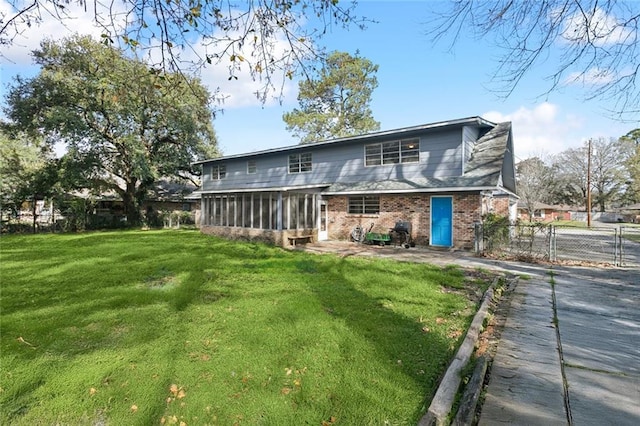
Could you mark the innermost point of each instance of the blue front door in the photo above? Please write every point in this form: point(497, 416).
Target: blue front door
point(442, 221)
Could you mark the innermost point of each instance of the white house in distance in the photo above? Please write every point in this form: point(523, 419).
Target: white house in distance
point(440, 177)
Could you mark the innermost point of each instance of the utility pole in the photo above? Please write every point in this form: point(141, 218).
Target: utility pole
point(589, 185)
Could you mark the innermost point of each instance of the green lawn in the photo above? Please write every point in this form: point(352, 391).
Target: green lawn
point(164, 327)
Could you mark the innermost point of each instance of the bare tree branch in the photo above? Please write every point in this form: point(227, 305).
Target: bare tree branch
point(273, 39)
point(595, 44)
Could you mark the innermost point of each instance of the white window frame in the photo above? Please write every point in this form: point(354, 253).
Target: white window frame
point(364, 204)
point(300, 163)
point(218, 171)
point(252, 167)
point(392, 152)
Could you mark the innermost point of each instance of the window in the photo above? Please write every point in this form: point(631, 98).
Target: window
point(366, 204)
point(251, 167)
point(260, 210)
point(218, 172)
point(300, 163)
point(298, 211)
point(394, 152)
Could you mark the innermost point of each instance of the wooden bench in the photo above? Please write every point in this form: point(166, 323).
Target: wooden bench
point(303, 239)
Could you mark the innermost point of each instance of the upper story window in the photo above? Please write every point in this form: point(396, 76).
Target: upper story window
point(218, 171)
point(394, 152)
point(299, 163)
point(252, 167)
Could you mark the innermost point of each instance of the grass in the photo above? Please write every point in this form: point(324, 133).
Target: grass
point(149, 327)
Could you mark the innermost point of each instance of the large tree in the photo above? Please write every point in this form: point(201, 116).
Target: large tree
point(125, 124)
point(631, 147)
point(572, 168)
point(535, 180)
point(28, 171)
point(607, 171)
point(594, 42)
point(335, 101)
point(271, 39)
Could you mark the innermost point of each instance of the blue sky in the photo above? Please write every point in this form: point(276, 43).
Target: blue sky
point(418, 83)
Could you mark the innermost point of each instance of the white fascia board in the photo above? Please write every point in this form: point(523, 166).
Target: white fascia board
point(411, 191)
point(274, 189)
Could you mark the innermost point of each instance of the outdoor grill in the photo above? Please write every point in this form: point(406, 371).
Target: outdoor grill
point(401, 234)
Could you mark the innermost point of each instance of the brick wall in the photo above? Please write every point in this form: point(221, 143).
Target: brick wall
point(414, 208)
point(501, 206)
point(279, 238)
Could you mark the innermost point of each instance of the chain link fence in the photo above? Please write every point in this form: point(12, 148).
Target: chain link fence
point(74, 220)
point(615, 245)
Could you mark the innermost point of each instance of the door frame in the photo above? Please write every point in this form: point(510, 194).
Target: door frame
point(450, 197)
point(323, 219)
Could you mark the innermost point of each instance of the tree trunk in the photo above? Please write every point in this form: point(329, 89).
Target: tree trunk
point(131, 207)
point(35, 216)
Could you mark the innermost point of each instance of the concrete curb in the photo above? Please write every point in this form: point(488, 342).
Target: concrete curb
point(445, 395)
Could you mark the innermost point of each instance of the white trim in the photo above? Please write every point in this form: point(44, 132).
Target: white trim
point(271, 189)
point(414, 190)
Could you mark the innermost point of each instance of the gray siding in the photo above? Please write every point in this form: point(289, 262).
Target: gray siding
point(440, 156)
point(469, 137)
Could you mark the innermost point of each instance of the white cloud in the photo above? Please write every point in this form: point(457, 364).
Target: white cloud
point(76, 19)
point(238, 93)
point(545, 129)
point(596, 27)
point(592, 77)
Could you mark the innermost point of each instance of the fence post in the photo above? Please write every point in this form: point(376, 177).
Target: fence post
point(477, 238)
point(621, 245)
point(615, 247)
point(552, 240)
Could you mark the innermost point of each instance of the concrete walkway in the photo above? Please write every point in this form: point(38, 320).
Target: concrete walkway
point(526, 385)
point(595, 348)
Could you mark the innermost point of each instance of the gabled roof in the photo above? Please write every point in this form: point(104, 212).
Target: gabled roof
point(401, 132)
point(484, 171)
point(537, 206)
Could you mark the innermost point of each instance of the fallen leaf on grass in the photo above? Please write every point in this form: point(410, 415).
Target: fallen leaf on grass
point(329, 422)
point(285, 391)
point(454, 334)
point(92, 391)
point(21, 340)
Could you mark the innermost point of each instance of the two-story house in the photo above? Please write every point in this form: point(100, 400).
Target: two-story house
point(440, 177)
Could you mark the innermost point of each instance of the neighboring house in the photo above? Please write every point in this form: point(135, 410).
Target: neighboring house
point(632, 213)
point(440, 177)
point(163, 197)
point(543, 212)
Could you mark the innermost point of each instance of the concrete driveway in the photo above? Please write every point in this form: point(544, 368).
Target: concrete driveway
point(598, 314)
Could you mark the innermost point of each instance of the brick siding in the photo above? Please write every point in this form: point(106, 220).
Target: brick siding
point(414, 208)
